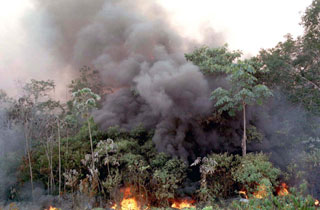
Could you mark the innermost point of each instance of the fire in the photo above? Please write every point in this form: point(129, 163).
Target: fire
point(261, 193)
point(114, 206)
point(52, 208)
point(282, 190)
point(316, 203)
point(243, 194)
point(128, 202)
point(185, 203)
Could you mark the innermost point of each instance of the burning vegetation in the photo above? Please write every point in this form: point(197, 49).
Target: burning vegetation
point(52, 208)
point(156, 128)
point(282, 190)
point(132, 202)
point(262, 191)
point(129, 201)
point(182, 203)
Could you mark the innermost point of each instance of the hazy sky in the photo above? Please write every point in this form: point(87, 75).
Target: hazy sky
point(247, 25)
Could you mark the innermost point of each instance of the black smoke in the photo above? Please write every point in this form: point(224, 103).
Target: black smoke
point(141, 57)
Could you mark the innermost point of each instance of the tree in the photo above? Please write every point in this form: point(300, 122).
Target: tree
point(88, 78)
point(213, 60)
point(294, 64)
point(49, 129)
point(26, 111)
point(245, 90)
point(84, 100)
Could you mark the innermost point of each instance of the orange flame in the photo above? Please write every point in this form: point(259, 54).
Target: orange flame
point(52, 208)
point(282, 190)
point(316, 203)
point(185, 203)
point(128, 202)
point(261, 193)
point(243, 193)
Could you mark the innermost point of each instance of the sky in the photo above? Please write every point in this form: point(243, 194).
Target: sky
point(248, 25)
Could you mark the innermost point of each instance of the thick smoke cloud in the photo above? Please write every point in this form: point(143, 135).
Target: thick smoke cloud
point(141, 58)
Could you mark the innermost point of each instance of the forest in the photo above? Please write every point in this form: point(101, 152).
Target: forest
point(206, 128)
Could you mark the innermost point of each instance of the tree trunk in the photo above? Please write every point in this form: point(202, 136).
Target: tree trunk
point(47, 150)
point(51, 167)
point(66, 168)
point(244, 138)
point(59, 142)
point(91, 143)
point(29, 157)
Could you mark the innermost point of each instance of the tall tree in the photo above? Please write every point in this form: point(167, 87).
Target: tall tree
point(294, 64)
point(26, 110)
point(84, 100)
point(245, 90)
point(47, 122)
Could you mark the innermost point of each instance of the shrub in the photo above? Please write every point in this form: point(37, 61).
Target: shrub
point(253, 169)
point(223, 174)
point(216, 176)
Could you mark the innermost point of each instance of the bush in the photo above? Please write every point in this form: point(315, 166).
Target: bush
point(253, 169)
point(294, 201)
point(222, 175)
point(216, 176)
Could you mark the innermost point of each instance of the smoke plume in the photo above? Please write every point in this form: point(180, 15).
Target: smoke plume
point(141, 58)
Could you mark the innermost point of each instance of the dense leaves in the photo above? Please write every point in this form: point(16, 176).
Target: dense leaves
point(66, 152)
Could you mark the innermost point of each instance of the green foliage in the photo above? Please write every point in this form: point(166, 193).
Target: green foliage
point(305, 168)
point(159, 160)
point(294, 64)
point(122, 158)
point(222, 175)
point(253, 169)
point(213, 60)
point(124, 161)
point(115, 132)
point(254, 134)
point(245, 88)
point(166, 180)
point(84, 100)
point(208, 208)
point(311, 22)
point(216, 176)
point(37, 89)
point(294, 201)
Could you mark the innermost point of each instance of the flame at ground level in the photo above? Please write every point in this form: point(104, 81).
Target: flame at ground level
point(261, 193)
point(129, 202)
point(52, 208)
point(185, 203)
point(243, 194)
point(317, 203)
point(282, 190)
